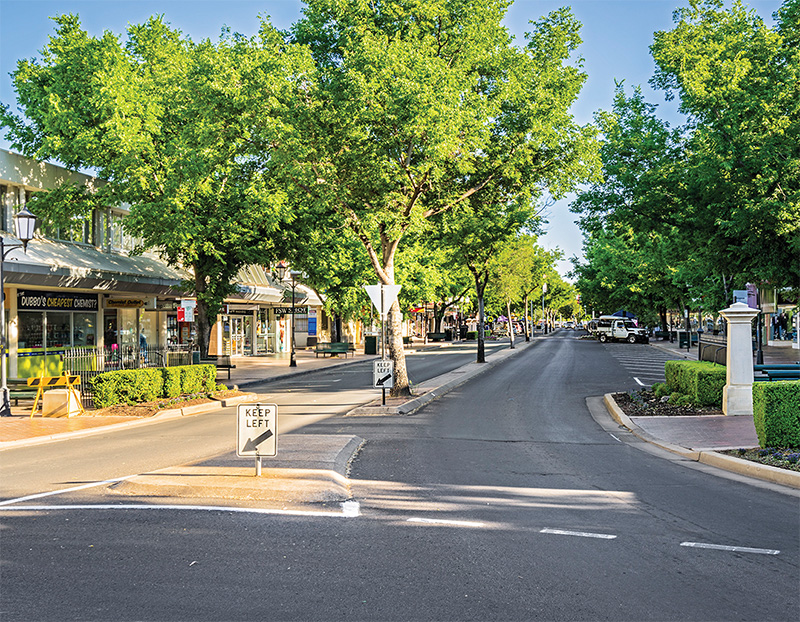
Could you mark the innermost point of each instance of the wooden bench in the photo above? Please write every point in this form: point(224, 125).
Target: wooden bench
point(436, 336)
point(325, 347)
point(221, 362)
point(777, 371)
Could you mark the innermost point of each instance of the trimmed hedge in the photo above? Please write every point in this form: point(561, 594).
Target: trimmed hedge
point(776, 413)
point(132, 386)
point(701, 380)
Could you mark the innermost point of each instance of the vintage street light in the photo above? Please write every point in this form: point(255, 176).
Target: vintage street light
point(282, 268)
point(24, 226)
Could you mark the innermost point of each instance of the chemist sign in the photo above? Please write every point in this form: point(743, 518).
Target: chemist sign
point(256, 430)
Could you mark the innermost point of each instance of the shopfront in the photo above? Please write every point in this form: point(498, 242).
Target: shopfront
point(46, 323)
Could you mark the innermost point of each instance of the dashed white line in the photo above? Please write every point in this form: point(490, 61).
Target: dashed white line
point(440, 521)
point(733, 549)
point(581, 534)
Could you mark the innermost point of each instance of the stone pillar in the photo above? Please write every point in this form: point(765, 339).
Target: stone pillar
point(737, 395)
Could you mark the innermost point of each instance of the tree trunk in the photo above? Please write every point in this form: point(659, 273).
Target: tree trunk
point(397, 352)
point(201, 315)
point(510, 324)
point(479, 290)
point(527, 319)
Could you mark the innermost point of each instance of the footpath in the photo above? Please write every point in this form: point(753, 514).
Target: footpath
point(307, 456)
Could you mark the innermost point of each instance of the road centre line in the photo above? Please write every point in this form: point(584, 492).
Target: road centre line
point(65, 490)
point(204, 508)
point(733, 549)
point(581, 534)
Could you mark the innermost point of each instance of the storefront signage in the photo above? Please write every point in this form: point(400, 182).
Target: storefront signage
point(289, 310)
point(124, 303)
point(56, 301)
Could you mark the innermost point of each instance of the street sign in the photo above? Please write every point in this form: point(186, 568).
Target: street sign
point(383, 374)
point(257, 430)
point(298, 310)
point(383, 296)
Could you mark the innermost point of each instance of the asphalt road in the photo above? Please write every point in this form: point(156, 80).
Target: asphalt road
point(505, 500)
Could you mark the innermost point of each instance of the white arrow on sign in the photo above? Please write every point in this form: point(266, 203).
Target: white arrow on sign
point(383, 296)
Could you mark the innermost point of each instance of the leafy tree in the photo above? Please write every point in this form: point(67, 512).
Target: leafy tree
point(412, 109)
point(167, 122)
point(737, 80)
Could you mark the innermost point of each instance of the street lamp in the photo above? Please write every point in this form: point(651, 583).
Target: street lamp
point(24, 226)
point(544, 321)
point(282, 268)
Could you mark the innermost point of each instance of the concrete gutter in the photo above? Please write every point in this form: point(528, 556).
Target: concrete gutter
point(749, 468)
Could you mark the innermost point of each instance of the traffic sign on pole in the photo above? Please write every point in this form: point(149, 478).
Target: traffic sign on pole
point(383, 296)
point(383, 374)
point(256, 430)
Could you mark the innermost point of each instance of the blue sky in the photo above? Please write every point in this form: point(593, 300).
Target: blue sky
point(616, 38)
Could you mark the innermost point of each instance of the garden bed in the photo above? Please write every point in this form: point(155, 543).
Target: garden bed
point(645, 404)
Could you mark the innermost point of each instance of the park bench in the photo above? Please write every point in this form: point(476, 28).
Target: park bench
point(325, 347)
point(436, 336)
point(18, 389)
point(221, 362)
point(777, 371)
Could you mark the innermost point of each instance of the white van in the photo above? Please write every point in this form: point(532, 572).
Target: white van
point(613, 328)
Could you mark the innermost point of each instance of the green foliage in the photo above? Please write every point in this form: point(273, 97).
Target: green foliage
point(172, 381)
point(701, 380)
point(660, 389)
point(127, 387)
point(134, 386)
point(198, 379)
point(776, 413)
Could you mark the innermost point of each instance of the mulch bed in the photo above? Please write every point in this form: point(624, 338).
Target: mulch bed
point(646, 404)
point(148, 409)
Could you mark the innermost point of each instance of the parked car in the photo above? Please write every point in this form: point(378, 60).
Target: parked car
point(569, 324)
point(613, 328)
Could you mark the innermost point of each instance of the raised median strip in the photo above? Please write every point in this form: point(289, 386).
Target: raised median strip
point(756, 470)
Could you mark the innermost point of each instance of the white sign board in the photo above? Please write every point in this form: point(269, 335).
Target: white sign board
point(383, 296)
point(383, 374)
point(257, 430)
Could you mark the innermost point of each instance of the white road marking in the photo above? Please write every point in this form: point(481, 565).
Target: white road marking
point(439, 521)
point(65, 490)
point(641, 384)
point(615, 438)
point(203, 508)
point(733, 549)
point(582, 534)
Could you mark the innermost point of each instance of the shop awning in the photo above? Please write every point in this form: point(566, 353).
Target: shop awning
point(57, 264)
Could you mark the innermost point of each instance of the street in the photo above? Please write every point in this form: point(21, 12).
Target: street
point(510, 498)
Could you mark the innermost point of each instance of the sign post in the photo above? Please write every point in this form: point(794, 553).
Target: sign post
point(257, 431)
point(383, 297)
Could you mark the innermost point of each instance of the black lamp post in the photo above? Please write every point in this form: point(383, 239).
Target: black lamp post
point(24, 226)
point(282, 269)
point(544, 320)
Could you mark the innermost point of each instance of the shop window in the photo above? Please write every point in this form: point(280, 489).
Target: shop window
point(301, 323)
point(59, 330)
point(30, 330)
point(84, 333)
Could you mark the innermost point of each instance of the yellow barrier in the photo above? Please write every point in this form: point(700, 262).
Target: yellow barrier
point(48, 382)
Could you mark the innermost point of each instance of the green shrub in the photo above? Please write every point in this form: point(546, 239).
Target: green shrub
point(128, 386)
point(674, 397)
point(776, 413)
point(660, 389)
point(198, 379)
point(172, 381)
point(701, 380)
point(472, 335)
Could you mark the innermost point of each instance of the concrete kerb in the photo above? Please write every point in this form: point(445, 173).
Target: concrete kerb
point(763, 472)
point(441, 385)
